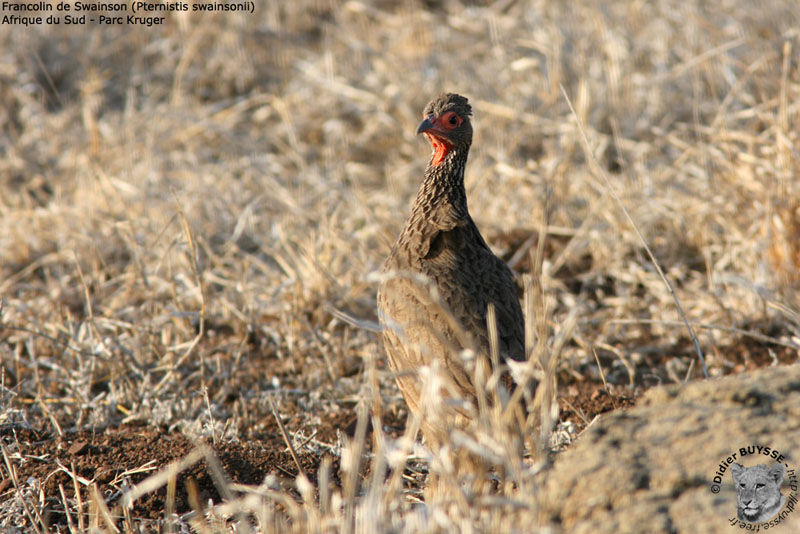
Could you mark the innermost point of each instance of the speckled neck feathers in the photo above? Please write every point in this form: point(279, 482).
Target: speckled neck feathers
point(443, 188)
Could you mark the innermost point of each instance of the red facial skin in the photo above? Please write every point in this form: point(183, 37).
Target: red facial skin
point(437, 130)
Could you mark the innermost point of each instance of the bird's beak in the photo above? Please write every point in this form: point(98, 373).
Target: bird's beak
point(425, 125)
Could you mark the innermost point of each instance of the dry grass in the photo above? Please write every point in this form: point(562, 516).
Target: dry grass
point(179, 203)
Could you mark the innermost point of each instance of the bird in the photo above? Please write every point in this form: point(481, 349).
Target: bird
point(439, 281)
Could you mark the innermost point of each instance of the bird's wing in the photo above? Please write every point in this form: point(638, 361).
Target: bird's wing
point(419, 330)
point(425, 228)
point(490, 281)
point(510, 321)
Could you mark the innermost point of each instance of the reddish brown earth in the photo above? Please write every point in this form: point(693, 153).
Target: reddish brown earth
point(115, 457)
point(104, 457)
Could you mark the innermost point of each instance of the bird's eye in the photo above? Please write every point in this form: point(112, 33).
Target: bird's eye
point(451, 120)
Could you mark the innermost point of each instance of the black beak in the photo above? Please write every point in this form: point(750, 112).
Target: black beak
point(425, 125)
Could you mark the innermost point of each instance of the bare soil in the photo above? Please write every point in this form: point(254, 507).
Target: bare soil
point(117, 458)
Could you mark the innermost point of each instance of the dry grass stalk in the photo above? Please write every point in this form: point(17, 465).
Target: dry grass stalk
point(641, 237)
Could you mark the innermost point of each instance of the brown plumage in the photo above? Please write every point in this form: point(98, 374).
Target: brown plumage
point(441, 277)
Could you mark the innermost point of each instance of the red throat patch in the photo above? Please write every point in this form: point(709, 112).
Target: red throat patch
point(440, 146)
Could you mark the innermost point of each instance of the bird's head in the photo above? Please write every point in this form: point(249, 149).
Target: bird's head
point(446, 125)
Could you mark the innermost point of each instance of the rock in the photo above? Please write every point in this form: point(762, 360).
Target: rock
point(651, 468)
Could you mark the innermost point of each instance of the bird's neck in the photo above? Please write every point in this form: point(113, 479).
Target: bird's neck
point(444, 183)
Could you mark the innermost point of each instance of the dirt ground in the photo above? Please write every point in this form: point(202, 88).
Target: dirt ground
point(117, 458)
point(114, 458)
